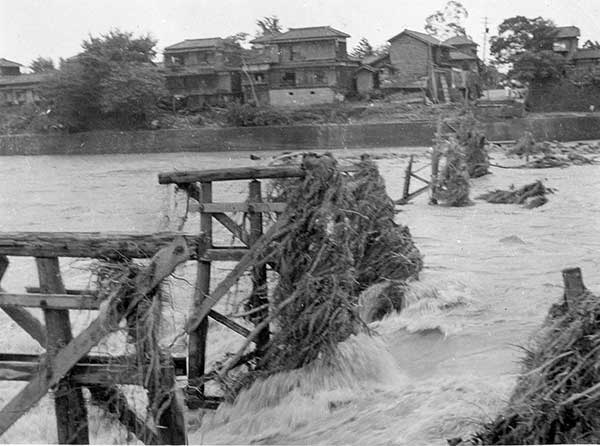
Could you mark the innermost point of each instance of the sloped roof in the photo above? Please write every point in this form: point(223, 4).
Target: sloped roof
point(187, 44)
point(587, 53)
point(373, 59)
point(459, 40)
point(458, 55)
point(567, 31)
point(265, 37)
point(311, 33)
point(430, 40)
point(34, 78)
point(8, 63)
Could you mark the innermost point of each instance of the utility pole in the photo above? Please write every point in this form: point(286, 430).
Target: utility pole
point(486, 30)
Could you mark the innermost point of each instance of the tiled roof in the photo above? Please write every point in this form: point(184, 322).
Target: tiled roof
point(422, 37)
point(567, 31)
point(8, 63)
point(458, 55)
point(312, 33)
point(34, 78)
point(459, 40)
point(265, 38)
point(211, 42)
point(255, 57)
point(587, 53)
point(373, 59)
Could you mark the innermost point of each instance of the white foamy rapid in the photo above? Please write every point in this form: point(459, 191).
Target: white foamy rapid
point(444, 364)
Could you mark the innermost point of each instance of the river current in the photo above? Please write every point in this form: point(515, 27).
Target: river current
point(432, 372)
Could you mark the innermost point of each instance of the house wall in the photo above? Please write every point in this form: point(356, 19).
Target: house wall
point(306, 76)
point(316, 50)
point(364, 81)
point(301, 96)
point(409, 57)
point(10, 71)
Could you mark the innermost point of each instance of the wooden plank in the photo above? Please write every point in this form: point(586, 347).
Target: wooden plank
point(229, 323)
point(51, 301)
point(197, 336)
point(237, 230)
point(179, 362)
point(84, 374)
point(21, 316)
point(101, 245)
point(69, 404)
point(224, 254)
point(407, 174)
point(254, 254)
point(238, 173)
point(171, 424)
point(214, 208)
point(412, 195)
point(51, 371)
point(414, 175)
point(573, 283)
point(258, 297)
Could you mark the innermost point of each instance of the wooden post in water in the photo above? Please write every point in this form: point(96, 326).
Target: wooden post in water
point(406, 190)
point(259, 273)
point(197, 340)
point(71, 413)
point(573, 282)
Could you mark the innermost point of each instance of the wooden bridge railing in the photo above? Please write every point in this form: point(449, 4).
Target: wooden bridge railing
point(66, 365)
point(199, 186)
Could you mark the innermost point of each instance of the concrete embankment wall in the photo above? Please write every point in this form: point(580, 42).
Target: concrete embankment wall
point(404, 134)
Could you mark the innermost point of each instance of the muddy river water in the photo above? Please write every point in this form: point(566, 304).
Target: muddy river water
point(443, 365)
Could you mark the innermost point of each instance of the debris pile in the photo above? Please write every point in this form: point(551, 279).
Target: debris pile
point(548, 154)
point(531, 195)
point(472, 140)
point(339, 240)
point(451, 185)
point(557, 397)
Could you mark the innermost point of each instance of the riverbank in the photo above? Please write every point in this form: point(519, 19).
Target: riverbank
point(298, 137)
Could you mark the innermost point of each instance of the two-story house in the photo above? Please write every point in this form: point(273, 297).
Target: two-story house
point(416, 62)
point(206, 71)
point(302, 66)
point(464, 54)
point(566, 41)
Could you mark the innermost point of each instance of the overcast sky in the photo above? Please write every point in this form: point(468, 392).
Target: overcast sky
point(55, 28)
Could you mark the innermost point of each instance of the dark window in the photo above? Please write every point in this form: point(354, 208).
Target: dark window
point(288, 78)
point(319, 77)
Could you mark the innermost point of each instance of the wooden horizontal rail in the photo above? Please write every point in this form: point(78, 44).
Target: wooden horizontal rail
point(51, 301)
point(239, 173)
point(103, 245)
point(85, 374)
point(243, 331)
point(179, 362)
point(224, 254)
point(217, 208)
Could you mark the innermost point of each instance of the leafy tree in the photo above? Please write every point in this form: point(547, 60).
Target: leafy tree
point(237, 38)
point(538, 66)
point(448, 21)
point(269, 25)
point(592, 45)
point(42, 65)
point(130, 92)
point(113, 82)
point(362, 49)
point(519, 34)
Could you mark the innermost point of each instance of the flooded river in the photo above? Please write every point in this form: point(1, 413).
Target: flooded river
point(434, 371)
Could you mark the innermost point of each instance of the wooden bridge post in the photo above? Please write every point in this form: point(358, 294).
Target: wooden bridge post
point(259, 273)
point(573, 282)
point(71, 413)
point(197, 339)
point(406, 190)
